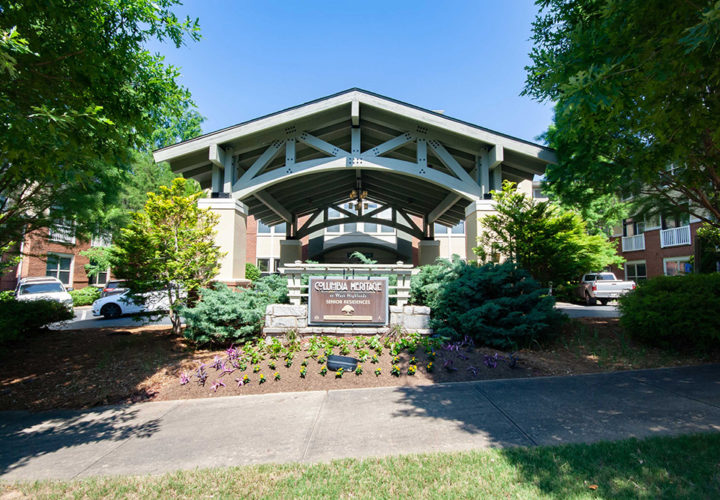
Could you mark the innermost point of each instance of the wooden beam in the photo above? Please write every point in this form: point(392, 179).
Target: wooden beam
point(409, 220)
point(217, 156)
point(289, 154)
point(447, 159)
point(355, 144)
point(274, 205)
point(422, 153)
point(496, 156)
point(320, 145)
point(355, 112)
point(390, 145)
point(259, 164)
point(443, 207)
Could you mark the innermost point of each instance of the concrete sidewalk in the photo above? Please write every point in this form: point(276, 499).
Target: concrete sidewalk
point(152, 438)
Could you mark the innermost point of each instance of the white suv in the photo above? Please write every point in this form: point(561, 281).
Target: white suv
point(46, 288)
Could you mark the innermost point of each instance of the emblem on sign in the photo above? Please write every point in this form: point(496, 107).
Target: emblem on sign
point(357, 301)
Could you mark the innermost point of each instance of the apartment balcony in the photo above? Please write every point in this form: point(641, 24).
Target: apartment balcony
point(62, 234)
point(674, 237)
point(633, 243)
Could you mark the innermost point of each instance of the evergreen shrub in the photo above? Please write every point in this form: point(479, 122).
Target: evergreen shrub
point(678, 311)
point(19, 318)
point(223, 315)
point(252, 272)
point(496, 305)
point(85, 296)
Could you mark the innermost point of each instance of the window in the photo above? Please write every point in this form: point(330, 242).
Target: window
point(263, 265)
point(440, 229)
point(677, 266)
point(276, 229)
point(60, 267)
point(263, 228)
point(276, 265)
point(99, 279)
point(459, 228)
point(635, 271)
point(62, 232)
point(677, 220)
point(101, 240)
point(632, 227)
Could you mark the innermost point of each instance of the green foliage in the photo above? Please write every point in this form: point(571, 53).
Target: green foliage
point(252, 272)
point(675, 311)
point(99, 260)
point(498, 305)
point(85, 296)
point(549, 242)
point(170, 246)
point(18, 318)
point(425, 284)
point(635, 86)
point(223, 315)
point(708, 241)
point(80, 93)
point(7, 296)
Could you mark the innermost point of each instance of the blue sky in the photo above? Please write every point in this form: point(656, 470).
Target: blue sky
point(464, 57)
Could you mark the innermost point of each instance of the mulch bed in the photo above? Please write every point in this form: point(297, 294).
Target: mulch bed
point(86, 368)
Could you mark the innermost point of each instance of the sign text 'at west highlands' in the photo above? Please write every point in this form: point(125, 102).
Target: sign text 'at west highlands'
point(360, 301)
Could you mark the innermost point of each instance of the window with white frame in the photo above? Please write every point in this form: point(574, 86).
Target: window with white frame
point(59, 266)
point(62, 232)
point(268, 264)
point(101, 240)
point(100, 278)
point(677, 266)
point(277, 229)
point(457, 229)
point(632, 227)
point(636, 271)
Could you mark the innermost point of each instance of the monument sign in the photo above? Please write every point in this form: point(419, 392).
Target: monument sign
point(357, 301)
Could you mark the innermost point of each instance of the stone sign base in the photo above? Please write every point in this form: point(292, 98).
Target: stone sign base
point(281, 318)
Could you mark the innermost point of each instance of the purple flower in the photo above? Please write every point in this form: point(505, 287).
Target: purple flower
point(490, 361)
point(239, 382)
point(184, 378)
point(217, 363)
point(232, 353)
point(448, 365)
point(472, 370)
point(218, 383)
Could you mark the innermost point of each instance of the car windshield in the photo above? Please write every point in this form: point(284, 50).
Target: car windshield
point(606, 277)
point(41, 288)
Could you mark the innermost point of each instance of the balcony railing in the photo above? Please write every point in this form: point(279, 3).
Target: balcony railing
point(675, 237)
point(632, 243)
point(62, 234)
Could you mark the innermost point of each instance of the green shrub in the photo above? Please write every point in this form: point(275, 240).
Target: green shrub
point(85, 296)
point(425, 284)
point(7, 296)
point(681, 311)
point(223, 315)
point(252, 272)
point(18, 318)
point(497, 305)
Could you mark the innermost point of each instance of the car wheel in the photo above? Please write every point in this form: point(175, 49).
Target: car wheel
point(604, 301)
point(589, 301)
point(111, 311)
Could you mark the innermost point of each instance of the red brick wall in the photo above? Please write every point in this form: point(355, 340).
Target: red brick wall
point(653, 254)
point(251, 249)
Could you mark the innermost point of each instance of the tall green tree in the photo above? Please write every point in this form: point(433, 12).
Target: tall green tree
point(637, 91)
point(550, 242)
point(169, 246)
point(79, 94)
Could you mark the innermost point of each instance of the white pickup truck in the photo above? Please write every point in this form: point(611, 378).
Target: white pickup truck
point(603, 287)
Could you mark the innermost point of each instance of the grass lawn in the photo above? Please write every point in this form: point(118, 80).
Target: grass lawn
point(679, 467)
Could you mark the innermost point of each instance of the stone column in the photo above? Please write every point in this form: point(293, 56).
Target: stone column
point(428, 252)
point(230, 236)
point(290, 251)
point(473, 227)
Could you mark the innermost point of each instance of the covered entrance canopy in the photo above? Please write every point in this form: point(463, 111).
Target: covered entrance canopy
point(420, 166)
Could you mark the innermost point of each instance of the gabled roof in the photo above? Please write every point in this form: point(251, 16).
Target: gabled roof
point(347, 97)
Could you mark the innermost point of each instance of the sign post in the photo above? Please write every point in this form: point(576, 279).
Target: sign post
point(351, 302)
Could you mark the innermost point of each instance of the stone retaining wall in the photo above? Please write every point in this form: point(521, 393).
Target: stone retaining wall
point(281, 318)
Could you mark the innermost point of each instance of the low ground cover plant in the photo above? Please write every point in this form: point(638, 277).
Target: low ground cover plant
point(85, 296)
point(679, 311)
point(497, 305)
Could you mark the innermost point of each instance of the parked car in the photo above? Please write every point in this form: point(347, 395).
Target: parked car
point(603, 287)
point(113, 287)
point(114, 306)
point(45, 288)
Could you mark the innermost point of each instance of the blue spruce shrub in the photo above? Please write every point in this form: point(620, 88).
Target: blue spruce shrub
point(497, 305)
point(223, 315)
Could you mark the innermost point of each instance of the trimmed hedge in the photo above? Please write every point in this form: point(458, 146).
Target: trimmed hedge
point(19, 318)
point(677, 311)
point(223, 315)
point(85, 296)
point(497, 305)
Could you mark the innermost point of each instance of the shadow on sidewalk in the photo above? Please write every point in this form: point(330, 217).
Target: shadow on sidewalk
point(24, 436)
